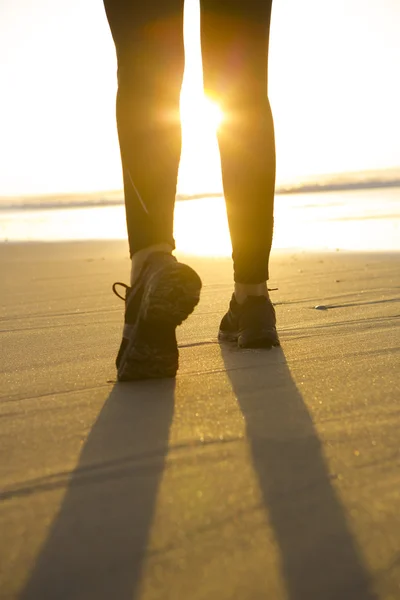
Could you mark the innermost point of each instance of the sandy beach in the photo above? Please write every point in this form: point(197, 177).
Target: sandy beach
point(257, 474)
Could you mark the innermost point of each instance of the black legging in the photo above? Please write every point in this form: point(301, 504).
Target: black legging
point(148, 35)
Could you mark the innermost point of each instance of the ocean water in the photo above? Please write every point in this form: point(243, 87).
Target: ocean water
point(363, 219)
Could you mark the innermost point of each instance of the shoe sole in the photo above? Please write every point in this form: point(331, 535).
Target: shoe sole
point(251, 340)
point(170, 296)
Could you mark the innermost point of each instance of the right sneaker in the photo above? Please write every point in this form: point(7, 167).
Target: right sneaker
point(164, 295)
point(251, 324)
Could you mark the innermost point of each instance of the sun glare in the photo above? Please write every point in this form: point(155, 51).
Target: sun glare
point(199, 113)
point(213, 113)
point(200, 170)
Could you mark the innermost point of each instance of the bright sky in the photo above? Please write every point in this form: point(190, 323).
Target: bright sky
point(333, 87)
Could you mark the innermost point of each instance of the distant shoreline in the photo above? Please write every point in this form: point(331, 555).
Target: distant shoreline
point(115, 198)
point(337, 187)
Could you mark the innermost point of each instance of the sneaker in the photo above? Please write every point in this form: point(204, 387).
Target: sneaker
point(252, 324)
point(164, 295)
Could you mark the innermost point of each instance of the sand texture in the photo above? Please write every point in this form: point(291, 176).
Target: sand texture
point(255, 475)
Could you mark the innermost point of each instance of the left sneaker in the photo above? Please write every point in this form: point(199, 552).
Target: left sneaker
point(164, 295)
point(251, 324)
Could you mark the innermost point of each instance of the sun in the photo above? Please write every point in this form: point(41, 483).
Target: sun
point(212, 113)
point(200, 113)
point(200, 166)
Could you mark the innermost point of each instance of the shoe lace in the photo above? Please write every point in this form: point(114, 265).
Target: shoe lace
point(126, 287)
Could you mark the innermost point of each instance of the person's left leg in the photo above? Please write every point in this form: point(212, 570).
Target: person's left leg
point(148, 37)
point(149, 42)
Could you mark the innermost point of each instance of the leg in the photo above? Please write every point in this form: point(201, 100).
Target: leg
point(149, 41)
point(148, 36)
point(235, 37)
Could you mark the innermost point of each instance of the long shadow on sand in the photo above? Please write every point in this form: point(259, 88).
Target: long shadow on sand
point(97, 543)
point(319, 557)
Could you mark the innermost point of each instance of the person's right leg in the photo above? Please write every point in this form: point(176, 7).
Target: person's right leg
point(235, 38)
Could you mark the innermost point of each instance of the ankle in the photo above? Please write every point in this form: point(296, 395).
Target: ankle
point(140, 257)
point(243, 290)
